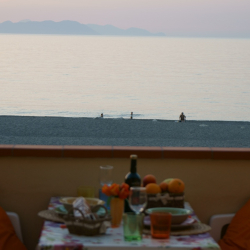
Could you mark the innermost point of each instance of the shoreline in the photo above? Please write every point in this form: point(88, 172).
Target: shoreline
point(116, 118)
point(53, 130)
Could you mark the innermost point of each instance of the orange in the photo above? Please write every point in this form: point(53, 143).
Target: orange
point(148, 179)
point(164, 186)
point(153, 188)
point(176, 186)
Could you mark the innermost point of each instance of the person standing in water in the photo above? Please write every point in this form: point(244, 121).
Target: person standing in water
point(182, 117)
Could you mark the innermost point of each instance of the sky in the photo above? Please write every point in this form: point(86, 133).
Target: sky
point(174, 17)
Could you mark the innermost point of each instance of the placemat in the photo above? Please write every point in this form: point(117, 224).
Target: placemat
point(50, 215)
point(196, 228)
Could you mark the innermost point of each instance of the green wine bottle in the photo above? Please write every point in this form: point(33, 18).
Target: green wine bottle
point(133, 179)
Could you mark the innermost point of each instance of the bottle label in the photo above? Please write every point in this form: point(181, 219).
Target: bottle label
point(133, 182)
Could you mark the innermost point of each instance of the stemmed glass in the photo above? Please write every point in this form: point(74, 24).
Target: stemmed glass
point(138, 199)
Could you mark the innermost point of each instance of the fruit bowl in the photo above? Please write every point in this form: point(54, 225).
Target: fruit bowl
point(179, 215)
point(68, 202)
point(165, 200)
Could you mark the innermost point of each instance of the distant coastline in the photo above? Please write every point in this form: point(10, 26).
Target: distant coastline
point(70, 28)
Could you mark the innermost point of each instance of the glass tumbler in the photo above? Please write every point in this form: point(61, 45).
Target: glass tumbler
point(132, 226)
point(105, 175)
point(160, 225)
point(85, 191)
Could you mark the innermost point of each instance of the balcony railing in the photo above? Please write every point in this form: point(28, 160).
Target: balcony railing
point(216, 179)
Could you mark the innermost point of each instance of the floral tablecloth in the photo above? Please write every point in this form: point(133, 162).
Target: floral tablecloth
point(55, 236)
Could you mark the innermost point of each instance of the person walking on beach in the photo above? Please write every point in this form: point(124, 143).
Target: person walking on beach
point(182, 117)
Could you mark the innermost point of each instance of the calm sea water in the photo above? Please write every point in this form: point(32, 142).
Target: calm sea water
point(156, 78)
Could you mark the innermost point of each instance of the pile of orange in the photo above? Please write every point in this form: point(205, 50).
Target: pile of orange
point(171, 185)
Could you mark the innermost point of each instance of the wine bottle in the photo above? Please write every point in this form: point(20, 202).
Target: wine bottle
point(133, 179)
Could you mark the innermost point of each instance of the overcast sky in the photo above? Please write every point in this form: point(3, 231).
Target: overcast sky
point(228, 17)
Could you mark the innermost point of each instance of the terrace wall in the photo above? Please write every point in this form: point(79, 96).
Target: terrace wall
point(217, 180)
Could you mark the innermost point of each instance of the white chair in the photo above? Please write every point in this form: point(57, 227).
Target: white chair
point(217, 222)
point(14, 218)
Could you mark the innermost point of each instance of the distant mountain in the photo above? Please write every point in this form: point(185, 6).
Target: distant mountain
point(110, 30)
point(69, 28)
point(46, 27)
point(25, 21)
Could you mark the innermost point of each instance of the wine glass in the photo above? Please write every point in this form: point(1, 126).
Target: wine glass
point(138, 199)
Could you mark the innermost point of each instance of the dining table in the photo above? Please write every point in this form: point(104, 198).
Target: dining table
point(55, 236)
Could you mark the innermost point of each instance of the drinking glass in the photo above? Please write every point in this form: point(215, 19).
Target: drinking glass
point(132, 226)
point(160, 225)
point(85, 191)
point(105, 175)
point(138, 199)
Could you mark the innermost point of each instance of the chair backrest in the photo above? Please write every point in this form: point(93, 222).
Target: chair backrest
point(217, 222)
point(14, 218)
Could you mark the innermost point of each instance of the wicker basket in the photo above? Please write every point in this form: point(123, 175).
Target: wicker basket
point(84, 226)
point(165, 200)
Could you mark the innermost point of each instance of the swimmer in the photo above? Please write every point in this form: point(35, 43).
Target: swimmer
point(182, 117)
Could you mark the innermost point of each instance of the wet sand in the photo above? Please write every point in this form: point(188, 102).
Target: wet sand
point(33, 130)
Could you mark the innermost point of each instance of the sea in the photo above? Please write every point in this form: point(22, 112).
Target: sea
point(153, 77)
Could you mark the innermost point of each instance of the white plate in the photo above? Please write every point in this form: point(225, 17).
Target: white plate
point(187, 223)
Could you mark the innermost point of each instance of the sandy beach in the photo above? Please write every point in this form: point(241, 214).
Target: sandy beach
point(33, 130)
